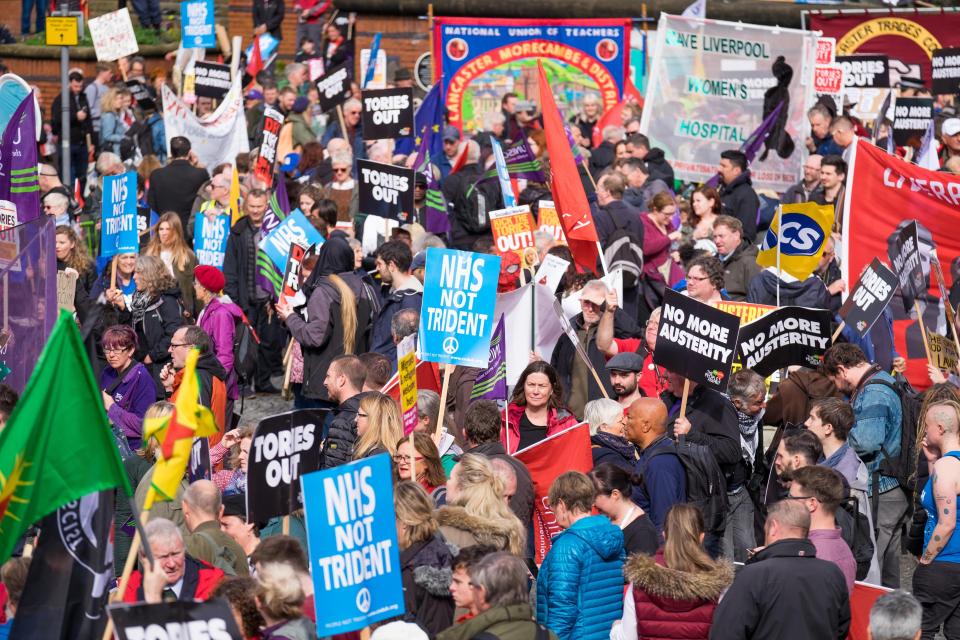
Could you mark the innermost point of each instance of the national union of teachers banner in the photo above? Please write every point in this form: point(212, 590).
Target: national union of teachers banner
point(710, 77)
point(483, 58)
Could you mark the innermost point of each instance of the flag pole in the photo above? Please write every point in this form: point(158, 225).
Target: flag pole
point(131, 559)
point(836, 334)
point(779, 238)
point(603, 260)
point(447, 371)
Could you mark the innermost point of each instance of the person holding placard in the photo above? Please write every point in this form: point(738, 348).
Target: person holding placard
point(535, 411)
point(393, 261)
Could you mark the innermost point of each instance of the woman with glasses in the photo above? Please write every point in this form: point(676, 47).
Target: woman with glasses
point(169, 244)
point(426, 468)
point(343, 188)
point(155, 314)
point(661, 263)
point(705, 279)
point(536, 409)
point(128, 388)
point(607, 419)
point(379, 426)
point(354, 132)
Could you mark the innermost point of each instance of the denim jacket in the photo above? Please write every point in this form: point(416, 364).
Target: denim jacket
point(878, 414)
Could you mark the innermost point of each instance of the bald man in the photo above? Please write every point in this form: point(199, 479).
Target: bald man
point(936, 582)
point(202, 510)
point(665, 482)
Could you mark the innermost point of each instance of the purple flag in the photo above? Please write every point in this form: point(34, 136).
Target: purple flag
point(19, 183)
point(492, 383)
point(28, 297)
point(267, 276)
point(754, 142)
point(577, 156)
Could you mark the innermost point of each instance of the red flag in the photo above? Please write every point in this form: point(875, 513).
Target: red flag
point(569, 198)
point(428, 377)
point(255, 64)
point(461, 160)
point(76, 192)
point(613, 115)
point(861, 601)
point(568, 450)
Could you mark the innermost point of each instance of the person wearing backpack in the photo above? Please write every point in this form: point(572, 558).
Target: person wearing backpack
point(876, 438)
point(711, 421)
point(470, 202)
point(219, 318)
point(202, 508)
point(621, 236)
point(664, 480)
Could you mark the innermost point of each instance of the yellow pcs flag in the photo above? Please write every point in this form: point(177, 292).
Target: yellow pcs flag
point(801, 231)
point(176, 432)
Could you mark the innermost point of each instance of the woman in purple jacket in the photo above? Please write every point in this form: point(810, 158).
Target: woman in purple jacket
point(128, 387)
point(219, 318)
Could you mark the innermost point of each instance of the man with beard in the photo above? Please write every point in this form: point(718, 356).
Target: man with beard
point(624, 369)
point(798, 448)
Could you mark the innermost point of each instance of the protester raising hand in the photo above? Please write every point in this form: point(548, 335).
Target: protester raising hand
point(231, 438)
point(154, 581)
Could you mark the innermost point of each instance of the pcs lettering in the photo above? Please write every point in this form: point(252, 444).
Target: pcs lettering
point(387, 113)
point(386, 190)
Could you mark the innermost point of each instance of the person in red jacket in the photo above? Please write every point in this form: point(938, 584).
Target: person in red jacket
point(173, 576)
point(535, 411)
point(673, 594)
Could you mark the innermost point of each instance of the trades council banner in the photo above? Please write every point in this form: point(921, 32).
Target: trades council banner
point(710, 76)
point(481, 59)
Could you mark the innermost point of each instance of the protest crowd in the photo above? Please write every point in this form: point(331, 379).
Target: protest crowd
point(548, 369)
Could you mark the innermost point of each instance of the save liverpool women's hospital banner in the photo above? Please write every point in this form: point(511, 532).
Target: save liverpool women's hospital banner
point(711, 77)
point(482, 59)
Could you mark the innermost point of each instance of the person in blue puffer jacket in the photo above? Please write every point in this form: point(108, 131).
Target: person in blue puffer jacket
point(580, 585)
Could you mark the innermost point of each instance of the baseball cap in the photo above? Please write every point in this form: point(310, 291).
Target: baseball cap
point(419, 261)
point(253, 94)
point(950, 127)
point(629, 361)
point(450, 132)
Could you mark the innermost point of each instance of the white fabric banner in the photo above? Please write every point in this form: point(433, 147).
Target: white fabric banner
point(706, 94)
point(216, 137)
point(519, 326)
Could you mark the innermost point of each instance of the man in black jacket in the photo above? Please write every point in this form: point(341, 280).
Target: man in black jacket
point(785, 592)
point(239, 270)
point(481, 430)
point(81, 125)
point(737, 197)
point(175, 186)
point(470, 203)
point(614, 213)
point(711, 420)
point(343, 382)
point(638, 146)
point(268, 17)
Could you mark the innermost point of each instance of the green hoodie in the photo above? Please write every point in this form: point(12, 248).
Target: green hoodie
point(512, 622)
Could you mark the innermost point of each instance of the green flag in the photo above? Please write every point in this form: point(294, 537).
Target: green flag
point(57, 446)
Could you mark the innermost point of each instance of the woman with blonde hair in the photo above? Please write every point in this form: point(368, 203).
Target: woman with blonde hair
point(425, 560)
point(280, 601)
point(169, 244)
point(114, 119)
point(72, 254)
point(673, 594)
point(476, 511)
point(155, 314)
point(337, 319)
point(379, 426)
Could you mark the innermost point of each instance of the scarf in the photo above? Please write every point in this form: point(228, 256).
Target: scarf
point(138, 305)
point(748, 434)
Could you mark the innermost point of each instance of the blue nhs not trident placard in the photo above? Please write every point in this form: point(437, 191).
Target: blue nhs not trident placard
point(459, 296)
point(196, 24)
point(118, 230)
point(352, 537)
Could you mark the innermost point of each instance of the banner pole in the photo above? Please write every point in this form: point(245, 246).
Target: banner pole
point(447, 371)
point(113, 273)
point(596, 377)
point(603, 261)
point(6, 302)
point(779, 273)
point(923, 331)
point(285, 525)
point(836, 334)
point(343, 123)
point(131, 559)
point(683, 398)
point(434, 76)
point(947, 306)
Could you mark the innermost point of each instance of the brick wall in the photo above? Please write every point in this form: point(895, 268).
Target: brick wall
point(403, 38)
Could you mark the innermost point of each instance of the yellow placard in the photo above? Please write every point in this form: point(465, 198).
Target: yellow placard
point(62, 31)
point(407, 368)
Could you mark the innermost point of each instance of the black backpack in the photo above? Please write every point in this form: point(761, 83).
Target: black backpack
point(246, 343)
point(855, 531)
point(706, 486)
point(474, 207)
point(622, 251)
point(904, 466)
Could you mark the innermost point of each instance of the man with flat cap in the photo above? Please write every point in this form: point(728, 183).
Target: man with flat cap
point(624, 369)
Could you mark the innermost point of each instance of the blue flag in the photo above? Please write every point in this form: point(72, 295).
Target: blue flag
point(428, 124)
point(509, 199)
point(372, 62)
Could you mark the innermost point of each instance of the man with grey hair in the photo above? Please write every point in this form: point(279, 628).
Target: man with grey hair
point(747, 391)
point(205, 541)
point(606, 152)
point(800, 192)
point(579, 383)
point(296, 73)
point(499, 581)
point(494, 123)
point(354, 132)
point(785, 591)
point(895, 616)
point(174, 575)
point(608, 443)
point(404, 323)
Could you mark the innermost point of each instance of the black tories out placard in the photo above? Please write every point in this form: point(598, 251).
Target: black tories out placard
point(385, 190)
point(865, 71)
point(387, 113)
point(284, 447)
point(911, 117)
point(783, 338)
point(210, 620)
point(870, 297)
point(333, 87)
point(212, 80)
point(945, 64)
point(905, 258)
point(696, 340)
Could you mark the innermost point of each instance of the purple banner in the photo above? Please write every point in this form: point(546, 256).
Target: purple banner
point(28, 297)
point(492, 383)
point(19, 183)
